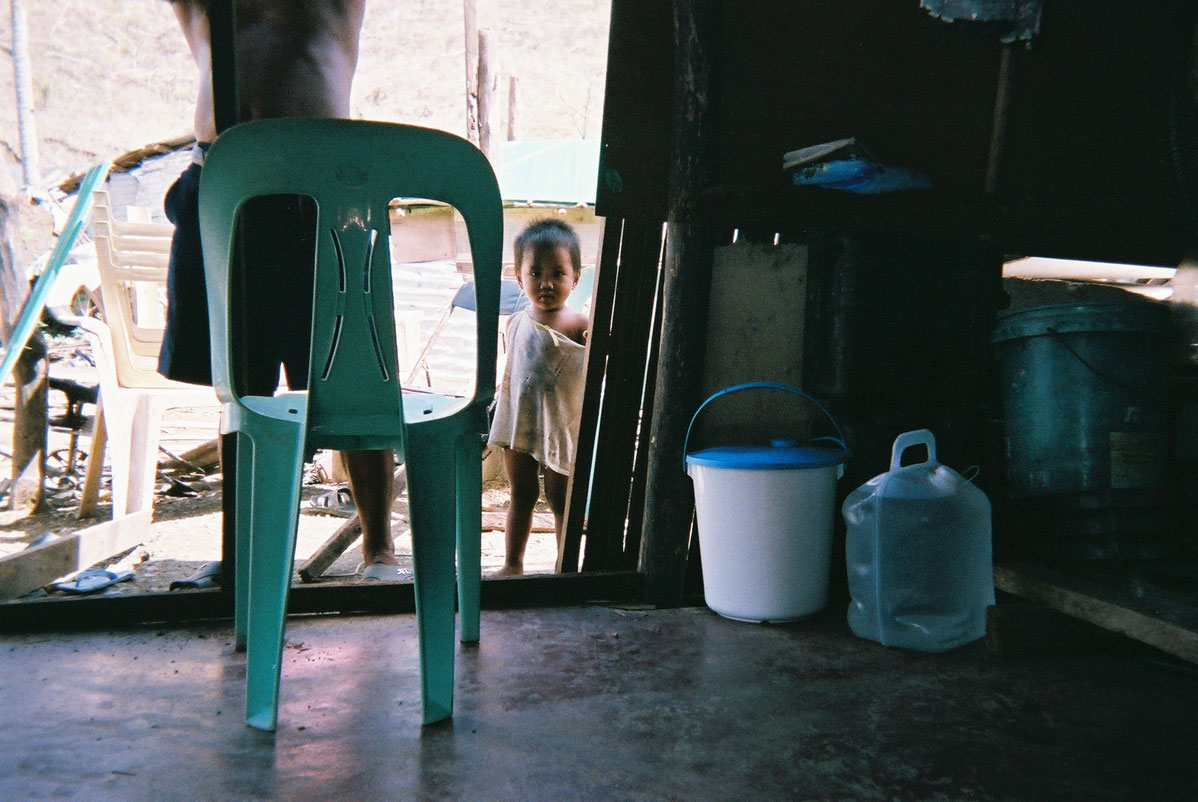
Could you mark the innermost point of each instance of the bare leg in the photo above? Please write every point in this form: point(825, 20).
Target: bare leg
point(522, 470)
point(556, 485)
point(371, 482)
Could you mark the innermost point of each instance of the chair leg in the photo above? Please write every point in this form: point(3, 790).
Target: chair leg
point(243, 499)
point(469, 541)
point(267, 518)
point(431, 477)
point(89, 495)
point(121, 412)
point(143, 454)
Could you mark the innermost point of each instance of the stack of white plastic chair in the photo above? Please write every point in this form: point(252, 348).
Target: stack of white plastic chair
point(132, 259)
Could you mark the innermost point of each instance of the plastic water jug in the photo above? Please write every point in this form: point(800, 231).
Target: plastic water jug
point(919, 556)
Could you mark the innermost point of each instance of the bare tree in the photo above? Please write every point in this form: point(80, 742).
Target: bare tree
point(487, 75)
point(470, 13)
point(23, 79)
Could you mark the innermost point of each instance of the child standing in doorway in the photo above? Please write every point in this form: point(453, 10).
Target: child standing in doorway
point(539, 402)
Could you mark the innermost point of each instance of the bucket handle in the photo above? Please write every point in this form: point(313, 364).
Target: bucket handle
point(919, 437)
point(839, 439)
point(1060, 340)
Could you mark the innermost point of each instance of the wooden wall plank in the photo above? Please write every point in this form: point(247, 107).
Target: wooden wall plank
point(632, 316)
point(640, 467)
point(598, 344)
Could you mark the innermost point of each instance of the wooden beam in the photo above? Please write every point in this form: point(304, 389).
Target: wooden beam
point(28, 570)
point(486, 91)
point(331, 549)
point(314, 568)
point(470, 18)
point(205, 457)
point(494, 521)
point(191, 606)
point(1091, 601)
point(513, 88)
point(669, 502)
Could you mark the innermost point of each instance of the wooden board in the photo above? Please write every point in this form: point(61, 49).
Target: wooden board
point(755, 333)
point(623, 391)
point(496, 521)
point(1098, 604)
point(422, 232)
point(597, 350)
point(28, 570)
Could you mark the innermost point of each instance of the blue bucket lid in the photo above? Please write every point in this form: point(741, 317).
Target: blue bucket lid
point(778, 456)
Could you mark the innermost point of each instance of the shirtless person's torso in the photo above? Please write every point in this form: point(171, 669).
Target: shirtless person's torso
point(296, 58)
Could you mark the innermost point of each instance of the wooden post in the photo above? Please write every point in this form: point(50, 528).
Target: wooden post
point(30, 374)
point(669, 502)
point(470, 14)
point(23, 78)
point(226, 106)
point(513, 87)
point(485, 91)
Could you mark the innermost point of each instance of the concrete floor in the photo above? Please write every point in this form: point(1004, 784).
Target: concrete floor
point(592, 703)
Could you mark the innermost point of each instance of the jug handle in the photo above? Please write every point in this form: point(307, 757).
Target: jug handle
point(786, 388)
point(906, 440)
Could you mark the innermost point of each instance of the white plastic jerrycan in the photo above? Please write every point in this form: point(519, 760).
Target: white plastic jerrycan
point(919, 556)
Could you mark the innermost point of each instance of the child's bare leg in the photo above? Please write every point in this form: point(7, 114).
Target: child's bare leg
point(522, 476)
point(556, 485)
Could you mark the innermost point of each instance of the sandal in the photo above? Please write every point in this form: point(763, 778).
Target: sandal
point(338, 501)
point(93, 579)
point(379, 572)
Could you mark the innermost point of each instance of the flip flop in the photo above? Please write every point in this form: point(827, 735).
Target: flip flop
point(339, 502)
point(208, 576)
point(93, 579)
point(379, 572)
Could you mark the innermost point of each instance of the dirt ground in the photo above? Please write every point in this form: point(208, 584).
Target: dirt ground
point(185, 532)
point(109, 76)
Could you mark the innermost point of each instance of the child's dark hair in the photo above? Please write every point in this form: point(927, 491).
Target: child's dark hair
point(548, 233)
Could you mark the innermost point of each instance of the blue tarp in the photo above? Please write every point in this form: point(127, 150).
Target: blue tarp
point(549, 171)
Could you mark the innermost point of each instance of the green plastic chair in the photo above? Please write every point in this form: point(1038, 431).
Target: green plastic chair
point(353, 169)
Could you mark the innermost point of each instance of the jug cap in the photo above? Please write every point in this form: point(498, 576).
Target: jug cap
point(782, 455)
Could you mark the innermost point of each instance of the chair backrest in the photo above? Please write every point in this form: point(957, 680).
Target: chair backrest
point(132, 260)
point(352, 169)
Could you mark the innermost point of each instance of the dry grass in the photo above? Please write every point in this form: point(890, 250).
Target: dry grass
point(112, 75)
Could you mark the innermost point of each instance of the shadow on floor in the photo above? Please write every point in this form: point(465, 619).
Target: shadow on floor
point(593, 702)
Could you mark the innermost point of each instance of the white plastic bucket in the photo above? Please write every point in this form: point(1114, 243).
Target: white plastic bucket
point(765, 517)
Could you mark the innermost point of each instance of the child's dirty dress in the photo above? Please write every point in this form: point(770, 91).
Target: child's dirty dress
point(539, 403)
